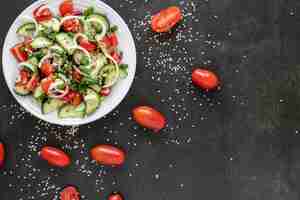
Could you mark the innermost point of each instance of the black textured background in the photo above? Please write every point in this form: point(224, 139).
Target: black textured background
point(239, 143)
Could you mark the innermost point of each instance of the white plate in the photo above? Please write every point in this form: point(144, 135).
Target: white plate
point(119, 91)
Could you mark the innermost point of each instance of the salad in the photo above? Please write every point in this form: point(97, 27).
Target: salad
point(69, 62)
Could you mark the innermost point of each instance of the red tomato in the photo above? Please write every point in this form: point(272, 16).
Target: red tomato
point(47, 69)
point(24, 77)
point(42, 13)
point(55, 157)
point(89, 46)
point(76, 100)
point(108, 155)
point(205, 79)
point(76, 76)
point(2, 154)
point(149, 118)
point(73, 98)
point(105, 91)
point(19, 52)
point(69, 193)
point(115, 196)
point(111, 40)
point(45, 83)
point(72, 25)
point(116, 56)
point(33, 82)
point(66, 7)
point(166, 19)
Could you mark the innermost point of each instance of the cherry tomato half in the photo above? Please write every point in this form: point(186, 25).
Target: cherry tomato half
point(45, 84)
point(166, 19)
point(110, 40)
point(18, 51)
point(23, 77)
point(69, 193)
point(66, 7)
point(55, 157)
point(115, 196)
point(116, 56)
point(149, 117)
point(72, 25)
point(108, 155)
point(42, 13)
point(105, 91)
point(33, 82)
point(73, 98)
point(205, 79)
point(47, 69)
point(2, 154)
point(89, 46)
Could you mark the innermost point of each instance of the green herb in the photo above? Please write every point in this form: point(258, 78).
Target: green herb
point(89, 81)
point(71, 34)
point(51, 35)
point(88, 11)
point(84, 60)
point(113, 29)
point(38, 54)
point(123, 70)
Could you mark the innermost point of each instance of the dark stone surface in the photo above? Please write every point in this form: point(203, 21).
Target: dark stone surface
point(241, 142)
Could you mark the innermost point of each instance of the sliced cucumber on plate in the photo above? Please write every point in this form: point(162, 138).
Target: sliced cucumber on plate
point(70, 111)
point(92, 100)
point(51, 105)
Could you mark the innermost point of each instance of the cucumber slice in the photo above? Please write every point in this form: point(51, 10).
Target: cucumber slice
point(51, 105)
point(99, 22)
point(57, 49)
point(33, 61)
point(70, 111)
point(26, 29)
point(65, 41)
point(52, 24)
point(39, 94)
point(21, 90)
point(109, 74)
point(100, 62)
point(92, 100)
point(41, 42)
point(29, 66)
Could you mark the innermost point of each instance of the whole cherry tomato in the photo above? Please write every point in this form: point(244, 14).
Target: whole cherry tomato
point(108, 155)
point(55, 157)
point(105, 91)
point(42, 13)
point(2, 154)
point(69, 193)
point(149, 117)
point(115, 196)
point(18, 51)
point(72, 25)
point(66, 7)
point(205, 79)
point(166, 19)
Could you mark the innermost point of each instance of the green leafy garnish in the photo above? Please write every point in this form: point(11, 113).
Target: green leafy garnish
point(88, 11)
point(123, 70)
point(84, 60)
point(113, 29)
